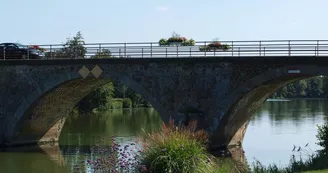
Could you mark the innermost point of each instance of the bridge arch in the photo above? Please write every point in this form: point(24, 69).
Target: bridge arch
point(249, 96)
point(42, 118)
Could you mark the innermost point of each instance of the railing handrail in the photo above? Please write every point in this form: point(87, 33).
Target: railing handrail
point(154, 49)
point(153, 42)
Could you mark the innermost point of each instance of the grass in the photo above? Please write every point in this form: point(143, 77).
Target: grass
point(177, 149)
point(316, 162)
point(319, 171)
point(181, 150)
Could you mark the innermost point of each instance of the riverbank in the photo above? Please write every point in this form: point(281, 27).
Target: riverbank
point(318, 171)
point(112, 104)
point(316, 98)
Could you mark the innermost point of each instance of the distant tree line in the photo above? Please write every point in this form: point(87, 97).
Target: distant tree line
point(316, 87)
point(111, 96)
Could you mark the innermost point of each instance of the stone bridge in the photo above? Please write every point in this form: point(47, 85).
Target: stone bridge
point(221, 93)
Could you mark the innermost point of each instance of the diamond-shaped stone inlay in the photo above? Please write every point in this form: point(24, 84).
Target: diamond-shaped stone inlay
point(84, 72)
point(96, 71)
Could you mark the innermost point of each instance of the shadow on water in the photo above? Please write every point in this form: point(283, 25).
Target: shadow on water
point(36, 159)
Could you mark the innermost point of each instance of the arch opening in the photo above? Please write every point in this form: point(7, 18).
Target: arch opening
point(45, 117)
point(249, 97)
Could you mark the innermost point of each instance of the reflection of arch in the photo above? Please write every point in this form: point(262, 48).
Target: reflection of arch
point(44, 117)
point(249, 96)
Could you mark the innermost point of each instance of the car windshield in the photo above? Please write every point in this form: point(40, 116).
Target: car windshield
point(21, 46)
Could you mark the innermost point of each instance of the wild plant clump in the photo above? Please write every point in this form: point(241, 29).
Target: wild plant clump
point(177, 150)
point(171, 150)
point(322, 137)
point(113, 159)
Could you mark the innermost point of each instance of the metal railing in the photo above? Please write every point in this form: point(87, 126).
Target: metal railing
point(154, 50)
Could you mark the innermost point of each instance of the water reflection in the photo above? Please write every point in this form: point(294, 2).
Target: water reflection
point(277, 126)
point(33, 159)
point(270, 136)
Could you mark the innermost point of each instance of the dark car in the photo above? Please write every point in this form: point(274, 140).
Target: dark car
point(19, 51)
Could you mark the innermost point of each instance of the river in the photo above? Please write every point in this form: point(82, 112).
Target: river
point(271, 134)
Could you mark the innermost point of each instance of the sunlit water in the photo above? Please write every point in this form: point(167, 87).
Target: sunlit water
point(271, 134)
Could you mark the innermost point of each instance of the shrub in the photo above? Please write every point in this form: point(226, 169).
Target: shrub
point(127, 103)
point(215, 45)
point(177, 149)
point(97, 99)
point(322, 137)
point(176, 38)
point(163, 42)
point(116, 104)
point(313, 161)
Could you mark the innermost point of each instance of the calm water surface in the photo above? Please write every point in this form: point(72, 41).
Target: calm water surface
point(271, 134)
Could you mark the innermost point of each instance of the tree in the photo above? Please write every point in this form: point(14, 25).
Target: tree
point(121, 90)
point(104, 53)
point(73, 48)
point(301, 86)
point(99, 98)
point(322, 137)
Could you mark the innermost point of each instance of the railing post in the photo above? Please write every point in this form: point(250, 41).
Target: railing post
point(317, 47)
point(264, 50)
point(232, 48)
point(151, 50)
point(205, 48)
point(119, 52)
point(190, 52)
point(50, 52)
point(260, 47)
point(142, 52)
point(177, 51)
point(214, 51)
point(289, 49)
point(238, 51)
point(100, 50)
point(166, 52)
point(4, 52)
point(124, 49)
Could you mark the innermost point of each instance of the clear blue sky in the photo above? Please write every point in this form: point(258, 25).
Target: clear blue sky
point(48, 22)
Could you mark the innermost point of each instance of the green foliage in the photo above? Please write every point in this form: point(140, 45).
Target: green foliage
point(259, 168)
point(116, 104)
point(215, 45)
point(163, 42)
point(104, 53)
point(175, 149)
point(322, 137)
point(176, 38)
point(73, 47)
point(99, 98)
point(316, 87)
point(100, 101)
point(127, 103)
point(315, 161)
point(189, 42)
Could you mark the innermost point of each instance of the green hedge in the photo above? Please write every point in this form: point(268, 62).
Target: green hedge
point(116, 104)
point(127, 103)
point(121, 103)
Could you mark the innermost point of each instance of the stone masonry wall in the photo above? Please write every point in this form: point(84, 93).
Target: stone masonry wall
point(36, 95)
